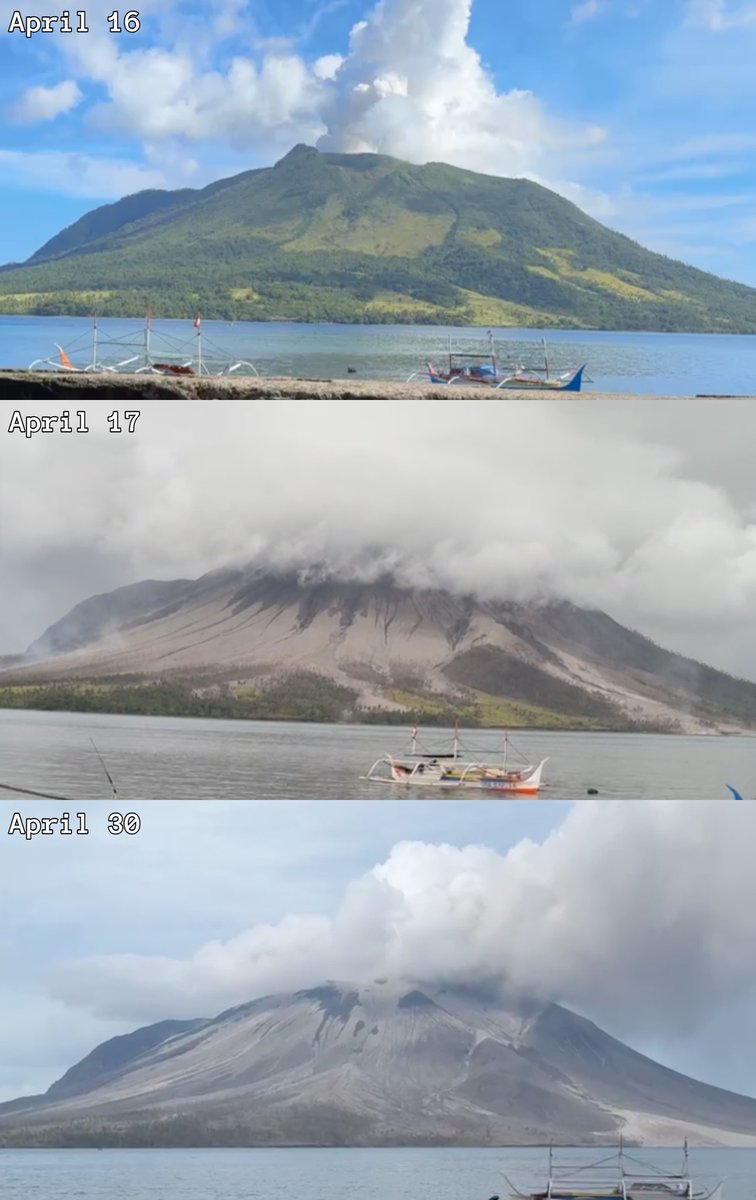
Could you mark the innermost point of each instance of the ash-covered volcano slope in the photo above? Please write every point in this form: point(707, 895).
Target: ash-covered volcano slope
point(393, 647)
point(387, 1063)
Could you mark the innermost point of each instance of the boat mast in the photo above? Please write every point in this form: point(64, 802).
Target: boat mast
point(94, 341)
point(456, 738)
point(545, 356)
point(551, 1169)
point(413, 736)
point(147, 332)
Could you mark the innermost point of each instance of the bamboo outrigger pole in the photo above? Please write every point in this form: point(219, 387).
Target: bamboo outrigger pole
point(147, 334)
point(105, 769)
point(198, 327)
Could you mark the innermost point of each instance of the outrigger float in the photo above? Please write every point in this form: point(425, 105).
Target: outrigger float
point(484, 370)
point(451, 769)
point(147, 353)
point(631, 1179)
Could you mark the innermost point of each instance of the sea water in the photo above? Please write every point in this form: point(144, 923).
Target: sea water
point(154, 758)
point(645, 363)
point(321, 1174)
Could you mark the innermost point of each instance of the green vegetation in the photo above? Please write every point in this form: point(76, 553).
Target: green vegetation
point(302, 696)
point(365, 238)
point(140, 1130)
point(308, 696)
point(484, 711)
point(172, 1131)
point(494, 712)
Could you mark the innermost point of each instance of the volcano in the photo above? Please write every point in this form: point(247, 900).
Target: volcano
point(389, 648)
point(388, 1063)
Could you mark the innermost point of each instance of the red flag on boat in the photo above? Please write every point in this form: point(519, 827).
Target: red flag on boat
point(65, 361)
point(197, 321)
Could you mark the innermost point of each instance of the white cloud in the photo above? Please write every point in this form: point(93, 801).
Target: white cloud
point(720, 14)
point(328, 66)
point(78, 174)
point(227, 17)
point(585, 11)
point(411, 85)
point(528, 918)
point(160, 94)
point(46, 103)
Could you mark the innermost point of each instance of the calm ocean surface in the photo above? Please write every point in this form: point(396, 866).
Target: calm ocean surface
point(164, 758)
point(651, 363)
point(348, 1174)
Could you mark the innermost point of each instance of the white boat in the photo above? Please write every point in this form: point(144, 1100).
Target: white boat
point(630, 1179)
point(146, 353)
point(453, 768)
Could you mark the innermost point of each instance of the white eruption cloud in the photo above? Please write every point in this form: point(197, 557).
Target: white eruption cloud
point(626, 508)
point(413, 86)
point(638, 916)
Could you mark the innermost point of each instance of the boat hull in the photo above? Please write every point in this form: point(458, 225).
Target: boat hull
point(518, 383)
point(631, 1192)
point(470, 777)
point(525, 384)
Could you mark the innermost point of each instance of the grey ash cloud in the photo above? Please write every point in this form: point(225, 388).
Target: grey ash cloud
point(647, 511)
point(636, 916)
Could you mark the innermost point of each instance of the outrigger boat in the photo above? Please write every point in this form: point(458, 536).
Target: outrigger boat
point(484, 370)
point(171, 356)
point(633, 1180)
point(451, 769)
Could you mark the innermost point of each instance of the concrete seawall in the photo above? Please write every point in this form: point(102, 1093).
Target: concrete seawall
point(46, 385)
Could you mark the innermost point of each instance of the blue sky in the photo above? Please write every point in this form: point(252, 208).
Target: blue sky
point(214, 903)
point(638, 110)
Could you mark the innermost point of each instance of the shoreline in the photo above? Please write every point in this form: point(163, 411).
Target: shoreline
point(409, 718)
point(47, 385)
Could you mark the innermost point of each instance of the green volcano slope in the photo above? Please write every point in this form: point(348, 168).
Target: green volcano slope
point(366, 238)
